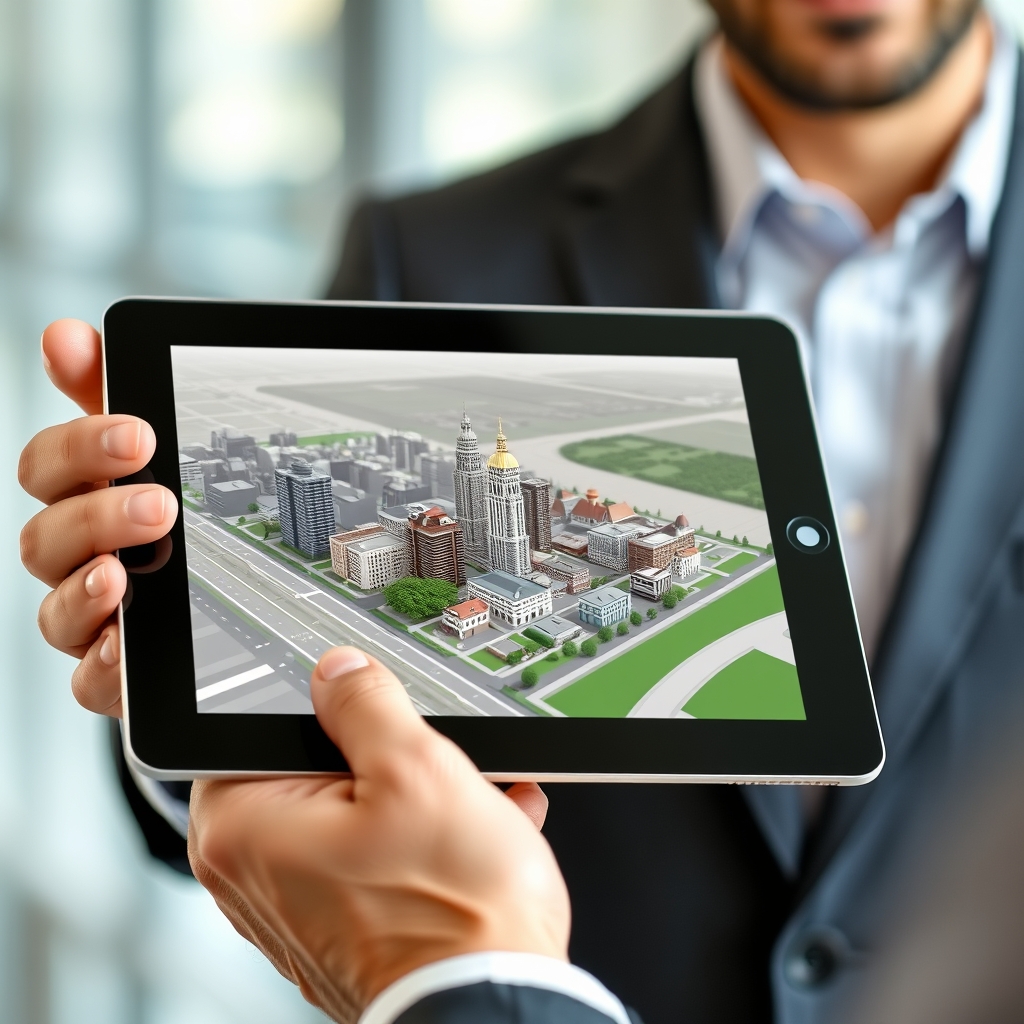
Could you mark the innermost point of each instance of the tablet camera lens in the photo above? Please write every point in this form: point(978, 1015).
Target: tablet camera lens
point(807, 535)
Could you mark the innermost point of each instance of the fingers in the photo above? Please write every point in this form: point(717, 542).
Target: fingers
point(364, 709)
point(531, 800)
point(64, 536)
point(72, 457)
point(96, 682)
point(72, 359)
point(71, 617)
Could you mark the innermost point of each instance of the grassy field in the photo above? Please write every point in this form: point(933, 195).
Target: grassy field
point(715, 474)
point(736, 561)
point(488, 660)
point(755, 686)
point(612, 690)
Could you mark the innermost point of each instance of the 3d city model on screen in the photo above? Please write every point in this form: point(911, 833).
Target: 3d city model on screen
point(511, 534)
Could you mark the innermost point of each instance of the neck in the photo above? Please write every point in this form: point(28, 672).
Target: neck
point(879, 158)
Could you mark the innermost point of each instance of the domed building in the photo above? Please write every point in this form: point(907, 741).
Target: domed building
point(508, 541)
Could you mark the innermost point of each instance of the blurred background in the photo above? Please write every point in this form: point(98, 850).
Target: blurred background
point(215, 147)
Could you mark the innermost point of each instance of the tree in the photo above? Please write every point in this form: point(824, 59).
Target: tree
point(607, 502)
point(652, 613)
point(769, 549)
point(636, 509)
point(604, 634)
point(515, 657)
point(744, 541)
point(589, 647)
point(718, 533)
point(670, 600)
point(622, 628)
point(538, 637)
point(553, 656)
point(252, 507)
point(570, 649)
point(659, 513)
point(636, 618)
point(735, 539)
point(420, 599)
point(530, 676)
point(241, 519)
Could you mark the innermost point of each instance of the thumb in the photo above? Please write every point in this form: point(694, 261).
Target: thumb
point(363, 708)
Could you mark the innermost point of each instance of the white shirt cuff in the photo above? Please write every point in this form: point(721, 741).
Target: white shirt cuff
point(527, 969)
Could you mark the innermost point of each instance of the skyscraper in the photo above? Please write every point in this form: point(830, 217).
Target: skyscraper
point(305, 508)
point(537, 503)
point(470, 480)
point(508, 543)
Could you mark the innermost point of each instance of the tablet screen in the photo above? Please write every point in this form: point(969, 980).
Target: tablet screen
point(539, 535)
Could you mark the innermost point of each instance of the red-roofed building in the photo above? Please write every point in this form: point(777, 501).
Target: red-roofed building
point(466, 619)
point(589, 511)
point(436, 547)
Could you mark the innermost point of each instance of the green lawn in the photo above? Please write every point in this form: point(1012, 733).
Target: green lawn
point(754, 686)
point(488, 660)
point(706, 582)
point(520, 698)
point(717, 474)
point(612, 690)
point(326, 438)
point(322, 565)
point(737, 561)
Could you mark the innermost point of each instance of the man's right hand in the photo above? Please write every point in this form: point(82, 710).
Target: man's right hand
point(69, 545)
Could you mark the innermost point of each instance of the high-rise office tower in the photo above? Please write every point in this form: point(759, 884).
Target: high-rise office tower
point(508, 543)
point(436, 547)
point(470, 480)
point(537, 505)
point(305, 508)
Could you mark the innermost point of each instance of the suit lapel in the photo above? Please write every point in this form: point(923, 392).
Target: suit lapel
point(638, 227)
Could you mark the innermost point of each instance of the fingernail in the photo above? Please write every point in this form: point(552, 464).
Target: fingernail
point(341, 661)
point(121, 441)
point(110, 653)
point(96, 582)
point(146, 508)
point(47, 366)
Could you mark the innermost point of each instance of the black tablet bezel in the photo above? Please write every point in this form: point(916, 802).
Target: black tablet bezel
point(840, 740)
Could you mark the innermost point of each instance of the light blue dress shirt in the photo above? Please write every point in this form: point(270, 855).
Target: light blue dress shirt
point(881, 317)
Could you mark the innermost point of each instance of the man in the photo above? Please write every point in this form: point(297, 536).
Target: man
point(855, 166)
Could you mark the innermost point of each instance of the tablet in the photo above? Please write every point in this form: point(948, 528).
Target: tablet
point(592, 544)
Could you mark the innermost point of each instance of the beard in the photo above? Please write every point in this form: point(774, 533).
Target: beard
point(806, 86)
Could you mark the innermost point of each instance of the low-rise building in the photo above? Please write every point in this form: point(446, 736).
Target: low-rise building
point(659, 548)
point(605, 606)
point(608, 544)
point(467, 619)
point(557, 628)
point(650, 583)
point(511, 598)
point(686, 563)
point(575, 576)
point(368, 556)
point(503, 648)
point(571, 540)
point(231, 498)
point(191, 473)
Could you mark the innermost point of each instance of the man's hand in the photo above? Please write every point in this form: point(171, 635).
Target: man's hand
point(70, 544)
point(349, 884)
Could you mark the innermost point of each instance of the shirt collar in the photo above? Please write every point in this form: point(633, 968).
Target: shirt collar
point(747, 167)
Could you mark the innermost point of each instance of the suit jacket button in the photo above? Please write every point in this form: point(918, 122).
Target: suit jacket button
point(814, 956)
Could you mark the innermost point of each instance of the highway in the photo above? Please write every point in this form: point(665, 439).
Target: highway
point(308, 618)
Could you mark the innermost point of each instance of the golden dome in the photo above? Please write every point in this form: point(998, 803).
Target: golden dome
point(502, 457)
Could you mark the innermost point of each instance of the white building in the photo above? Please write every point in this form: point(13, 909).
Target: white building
point(191, 474)
point(608, 544)
point(516, 601)
point(651, 583)
point(605, 606)
point(686, 563)
point(507, 540)
point(375, 561)
point(468, 618)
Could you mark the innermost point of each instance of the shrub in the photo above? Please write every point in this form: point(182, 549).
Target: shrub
point(252, 507)
point(515, 657)
point(670, 600)
point(553, 656)
point(570, 649)
point(652, 613)
point(542, 638)
point(718, 533)
point(241, 519)
point(420, 599)
point(769, 549)
point(589, 647)
point(735, 539)
point(744, 541)
point(530, 676)
point(622, 628)
point(604, 634)
point(636, 618)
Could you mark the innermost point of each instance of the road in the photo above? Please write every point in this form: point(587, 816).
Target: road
point(310, 620)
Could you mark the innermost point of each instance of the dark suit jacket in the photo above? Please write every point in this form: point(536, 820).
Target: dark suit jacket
point(698, 903)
